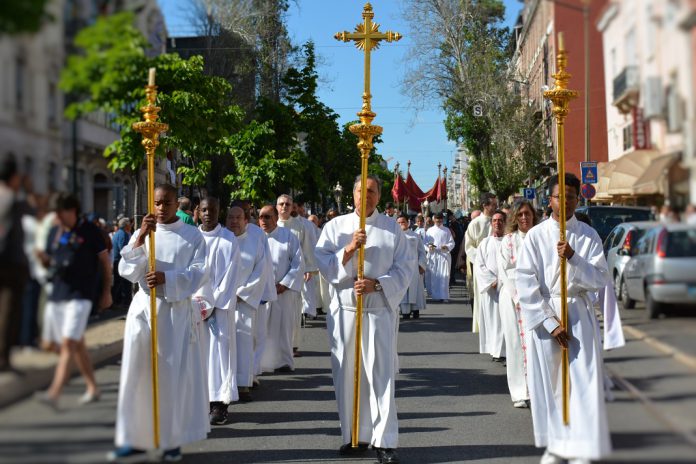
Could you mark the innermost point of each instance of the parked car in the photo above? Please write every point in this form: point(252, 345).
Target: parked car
point(605, 218)
point(663, 269)
point(619, 246)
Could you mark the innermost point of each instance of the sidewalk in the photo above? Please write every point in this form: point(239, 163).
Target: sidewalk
point(35, 368)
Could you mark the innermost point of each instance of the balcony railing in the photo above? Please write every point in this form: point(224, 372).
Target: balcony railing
point(626, 88)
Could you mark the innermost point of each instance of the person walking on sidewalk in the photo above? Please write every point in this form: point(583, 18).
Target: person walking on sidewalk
point(183, 394)
point(388, 268)
point(77, 251)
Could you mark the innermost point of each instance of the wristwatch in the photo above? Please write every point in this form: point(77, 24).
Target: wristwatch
point(378, 286)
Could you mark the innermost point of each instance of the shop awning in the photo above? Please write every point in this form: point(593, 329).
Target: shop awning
point(618, 177)
point(654, 178)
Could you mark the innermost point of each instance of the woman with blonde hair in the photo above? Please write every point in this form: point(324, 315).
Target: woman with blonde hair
point(522, 217)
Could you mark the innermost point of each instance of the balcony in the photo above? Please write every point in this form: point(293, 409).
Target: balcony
point(627, 89)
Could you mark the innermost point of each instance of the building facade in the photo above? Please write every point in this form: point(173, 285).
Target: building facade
point(534, 63)
point(649, 101)
point(56, 154)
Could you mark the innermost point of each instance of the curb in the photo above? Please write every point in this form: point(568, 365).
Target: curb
point(678, 355)
point(16, 386)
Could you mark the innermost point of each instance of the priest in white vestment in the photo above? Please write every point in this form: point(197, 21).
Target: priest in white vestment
point(491, 339)
point(440, 245)
point(285, 207)
point(287, 269)
point(478, 229)
point(252, 275)
point(220, 327)
point(388, 269)
point(587, 436)
point(521, 219)
point(414, 299)
point(183, 393)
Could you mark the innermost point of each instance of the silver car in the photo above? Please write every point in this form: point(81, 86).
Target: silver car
point(663, 269)
point(619, 246)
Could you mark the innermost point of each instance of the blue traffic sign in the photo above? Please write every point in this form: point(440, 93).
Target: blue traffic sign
point(589, 172)
point(529, 193)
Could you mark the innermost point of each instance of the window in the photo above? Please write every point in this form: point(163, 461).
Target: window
point(52, 105)
point(628, 137)
point(675, 116)
point(20, 89)
point(52, 185)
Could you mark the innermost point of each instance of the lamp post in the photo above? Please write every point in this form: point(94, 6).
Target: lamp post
point(338, 192)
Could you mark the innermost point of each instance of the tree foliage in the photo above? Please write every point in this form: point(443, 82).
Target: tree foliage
point(19, 16)
point(461, 58)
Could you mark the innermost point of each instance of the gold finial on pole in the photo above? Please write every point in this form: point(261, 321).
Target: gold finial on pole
point(367, 38)
point(151, 129)
point(560, 95)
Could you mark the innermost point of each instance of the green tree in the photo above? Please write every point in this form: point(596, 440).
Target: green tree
point(19, 16)
point(109, 74)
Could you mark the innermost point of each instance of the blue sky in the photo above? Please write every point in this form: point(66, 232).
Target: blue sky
point(413, 135)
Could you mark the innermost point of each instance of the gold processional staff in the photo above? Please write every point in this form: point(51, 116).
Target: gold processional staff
point(560, 95)
point(367, 37)
point(151, 130)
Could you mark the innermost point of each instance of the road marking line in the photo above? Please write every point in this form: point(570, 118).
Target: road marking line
point(678, 355)
point(687, 435)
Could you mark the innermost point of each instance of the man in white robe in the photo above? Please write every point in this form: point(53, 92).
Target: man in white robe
point(287, 270)
point(252, 275)
point(440, 244)
point(478, 229)
point(388, 269)
point(305, 236)
point(486, 275)
point(183, 393)
point(414, 299)
point(587, 436)
point(220, 327)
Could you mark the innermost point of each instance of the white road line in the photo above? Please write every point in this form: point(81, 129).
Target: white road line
point(678, 355)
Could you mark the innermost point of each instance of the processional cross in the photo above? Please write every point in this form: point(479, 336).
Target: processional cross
point(367, 38)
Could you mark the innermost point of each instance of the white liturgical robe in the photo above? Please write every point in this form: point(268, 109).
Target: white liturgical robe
point(287, 270)
point(414, 299)
point(440, 261)
point(538, 279)
point(477, 230)
point(183, 394)
point(220, 330)
point(511, 317)
point(486, 275)
point(388, 260)
point(254, 271)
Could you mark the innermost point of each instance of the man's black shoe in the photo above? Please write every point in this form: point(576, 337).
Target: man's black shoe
point(416, 314)
point(218, 414)
point(387, 456)
point(245, 396)
point(284, 369)
point(348, 449)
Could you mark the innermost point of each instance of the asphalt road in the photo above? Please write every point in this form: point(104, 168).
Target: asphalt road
point(453, 407)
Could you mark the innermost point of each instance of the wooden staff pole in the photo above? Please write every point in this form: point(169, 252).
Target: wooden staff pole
point(151, 129)
point(560, 95)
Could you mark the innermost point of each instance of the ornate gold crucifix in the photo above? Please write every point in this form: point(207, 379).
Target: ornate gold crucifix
point(367, 38)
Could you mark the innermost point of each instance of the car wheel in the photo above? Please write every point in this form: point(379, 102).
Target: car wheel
point(617, 286)
point(627, 301)
point(652, 307)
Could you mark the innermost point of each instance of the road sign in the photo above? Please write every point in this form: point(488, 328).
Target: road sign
point(478, 110)
point(589, 172)
point(588, 191)
point(529, 193)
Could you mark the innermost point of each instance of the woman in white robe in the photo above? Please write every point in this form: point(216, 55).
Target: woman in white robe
point(521, 219)
point(440, 261)
point(486, 274)
point(183, 394)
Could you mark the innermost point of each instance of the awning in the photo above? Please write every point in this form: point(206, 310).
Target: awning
point(618, 177)
point(653, 179)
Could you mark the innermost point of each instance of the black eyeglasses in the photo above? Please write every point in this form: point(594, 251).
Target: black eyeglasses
point(284, 204)
point(266, 216)
point(568, 197)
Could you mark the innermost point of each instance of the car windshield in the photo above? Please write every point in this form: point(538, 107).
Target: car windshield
point(605, 219)
point(681, 243)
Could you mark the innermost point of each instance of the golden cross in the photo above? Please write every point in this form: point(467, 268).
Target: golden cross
point(367, 38)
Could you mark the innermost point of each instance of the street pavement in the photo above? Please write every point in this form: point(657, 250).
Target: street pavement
point(453, 407)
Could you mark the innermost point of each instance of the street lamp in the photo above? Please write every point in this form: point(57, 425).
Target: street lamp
point(338, 192)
